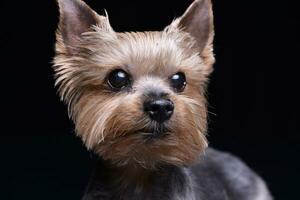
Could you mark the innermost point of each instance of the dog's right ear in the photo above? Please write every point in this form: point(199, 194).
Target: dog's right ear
point(76, 17)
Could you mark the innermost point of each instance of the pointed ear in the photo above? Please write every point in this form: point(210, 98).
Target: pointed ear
point(76, 17)
point(198, 22)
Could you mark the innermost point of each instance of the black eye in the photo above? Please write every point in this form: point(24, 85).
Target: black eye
point(118, 79)
point(178, 81)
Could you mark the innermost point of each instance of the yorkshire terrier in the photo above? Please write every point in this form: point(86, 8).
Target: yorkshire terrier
point(137, 100)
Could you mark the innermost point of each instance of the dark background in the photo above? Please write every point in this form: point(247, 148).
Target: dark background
point(254, 92)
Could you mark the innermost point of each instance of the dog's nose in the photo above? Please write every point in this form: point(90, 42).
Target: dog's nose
point(159, 110)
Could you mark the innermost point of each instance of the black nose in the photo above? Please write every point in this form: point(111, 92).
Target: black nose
point(159, 110)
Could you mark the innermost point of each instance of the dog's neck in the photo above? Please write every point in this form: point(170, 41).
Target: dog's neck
point(128, 181)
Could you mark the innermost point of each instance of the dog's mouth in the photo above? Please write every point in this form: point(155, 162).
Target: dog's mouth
point(156, 132)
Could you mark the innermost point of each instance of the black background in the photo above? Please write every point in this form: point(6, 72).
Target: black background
point(254, 92)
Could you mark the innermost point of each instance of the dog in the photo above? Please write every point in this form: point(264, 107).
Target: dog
point(137, 100)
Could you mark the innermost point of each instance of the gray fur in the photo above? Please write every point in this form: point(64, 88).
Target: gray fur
point(217, 176)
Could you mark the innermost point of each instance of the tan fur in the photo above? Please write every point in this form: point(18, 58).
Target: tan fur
point(110, 123)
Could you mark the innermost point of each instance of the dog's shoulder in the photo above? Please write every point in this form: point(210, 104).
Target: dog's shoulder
point(229, 174)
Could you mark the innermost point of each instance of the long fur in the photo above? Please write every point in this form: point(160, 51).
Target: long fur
point(110, 123)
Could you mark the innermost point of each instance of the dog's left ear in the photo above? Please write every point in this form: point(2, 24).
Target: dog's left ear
point(198, 22)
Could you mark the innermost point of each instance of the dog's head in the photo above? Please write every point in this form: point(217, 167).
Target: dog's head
point(138, 97)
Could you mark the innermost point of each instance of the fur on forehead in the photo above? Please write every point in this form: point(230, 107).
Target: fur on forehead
point(141, 53)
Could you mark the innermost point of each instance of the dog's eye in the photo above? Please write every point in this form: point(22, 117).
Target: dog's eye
point(178, 81)
point(118, 79)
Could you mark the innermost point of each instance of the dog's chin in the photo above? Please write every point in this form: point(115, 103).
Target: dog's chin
point(150, 134)
point(151, 145)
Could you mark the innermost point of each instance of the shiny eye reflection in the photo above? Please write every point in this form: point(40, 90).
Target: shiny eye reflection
point(118, 79)
point(178, 81)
